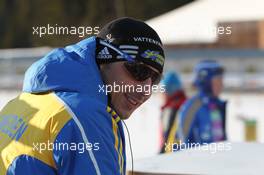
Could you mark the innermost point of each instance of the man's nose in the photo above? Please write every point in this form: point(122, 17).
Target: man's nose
point(148, 81)
point(147, 87)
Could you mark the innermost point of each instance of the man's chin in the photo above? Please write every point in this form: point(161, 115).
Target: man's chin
point(125, 115)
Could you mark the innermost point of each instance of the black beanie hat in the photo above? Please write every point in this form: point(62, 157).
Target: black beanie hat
point(132, 37)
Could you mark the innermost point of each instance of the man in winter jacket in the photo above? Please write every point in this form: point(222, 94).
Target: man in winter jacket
point(67, 120)
point(202, 118)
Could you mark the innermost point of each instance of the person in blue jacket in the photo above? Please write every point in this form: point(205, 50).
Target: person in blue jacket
point(202, 118)
point(68, 119)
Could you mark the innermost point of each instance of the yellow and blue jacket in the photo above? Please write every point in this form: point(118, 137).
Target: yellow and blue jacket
point(61, 123)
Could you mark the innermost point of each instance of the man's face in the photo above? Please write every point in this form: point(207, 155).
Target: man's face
point(217, 85)
point(127, 99)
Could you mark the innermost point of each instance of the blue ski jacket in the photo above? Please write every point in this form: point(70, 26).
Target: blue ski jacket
point(202, 120)
point(61, 123)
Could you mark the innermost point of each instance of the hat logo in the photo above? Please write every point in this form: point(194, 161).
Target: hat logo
point(109, 38)
point(153, 55)
point(104, 54)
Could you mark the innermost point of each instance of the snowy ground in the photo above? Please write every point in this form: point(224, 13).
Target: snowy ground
point(144, 123)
